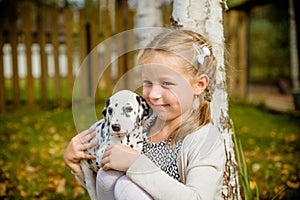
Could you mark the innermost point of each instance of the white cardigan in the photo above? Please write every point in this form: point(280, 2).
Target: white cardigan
point(201, 162)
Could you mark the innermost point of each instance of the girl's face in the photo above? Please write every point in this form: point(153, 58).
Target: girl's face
point(167, 88)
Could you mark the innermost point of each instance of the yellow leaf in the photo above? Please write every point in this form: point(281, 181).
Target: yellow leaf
point(293, 185)
point(23, 193)
point(252, 185)
point(31, 169)
point(2, 189)
point(78, 191)
point(61, 188)
point(285, 171)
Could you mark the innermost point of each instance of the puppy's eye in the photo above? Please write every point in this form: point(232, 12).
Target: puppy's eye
point(109, 110)
point(128, 109)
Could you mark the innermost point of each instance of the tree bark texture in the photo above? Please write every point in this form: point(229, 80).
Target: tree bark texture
point(148, 14)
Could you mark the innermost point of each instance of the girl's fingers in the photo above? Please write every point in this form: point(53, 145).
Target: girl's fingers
point(91, 144)
point(106, 167)
point(86, 135)
point(86, 132)
point(88, 156)
point(105, 164)
point(107, 150)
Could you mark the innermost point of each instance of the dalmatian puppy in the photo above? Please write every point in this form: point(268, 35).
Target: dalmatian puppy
point(124, 116)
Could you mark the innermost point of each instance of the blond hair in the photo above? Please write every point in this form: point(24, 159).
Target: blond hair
point(180, 43)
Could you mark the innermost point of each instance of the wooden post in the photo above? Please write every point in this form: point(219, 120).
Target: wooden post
point(55, 42)
point(27, 25)
point(69, 43)
point(130, 56)
point(83, 50)
point(243, 58)
point(94, 53)
point(120, 24)
point(43, 58)
point(2, 78)
point(233, 59)
point(14, 45)
point(166, 13)
point(107, 32)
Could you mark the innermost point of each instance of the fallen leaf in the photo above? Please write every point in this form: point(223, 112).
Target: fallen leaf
point(61, 188)
point(2, 189)
point(293, 185)
point(78, 191)
point(252, 185)
point(31, 169)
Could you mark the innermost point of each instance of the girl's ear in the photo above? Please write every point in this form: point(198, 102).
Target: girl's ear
point(200, 84)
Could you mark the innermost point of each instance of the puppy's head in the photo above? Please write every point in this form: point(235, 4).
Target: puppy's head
point(124, 111)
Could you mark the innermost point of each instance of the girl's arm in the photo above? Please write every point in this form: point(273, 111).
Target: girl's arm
point(201, 167)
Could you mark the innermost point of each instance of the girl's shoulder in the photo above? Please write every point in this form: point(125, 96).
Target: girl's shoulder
point(204, 139)
point(207, 132)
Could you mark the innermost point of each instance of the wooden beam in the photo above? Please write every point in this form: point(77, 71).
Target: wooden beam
point(27, 27)
point(248, 4)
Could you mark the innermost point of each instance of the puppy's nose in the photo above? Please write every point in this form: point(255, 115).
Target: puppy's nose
point(116, 127)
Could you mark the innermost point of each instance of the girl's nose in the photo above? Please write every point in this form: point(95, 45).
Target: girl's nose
point(155, 91)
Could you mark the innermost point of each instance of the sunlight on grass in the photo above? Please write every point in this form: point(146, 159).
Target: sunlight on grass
point(33, 142)
point(31, 153)
point(270, 147)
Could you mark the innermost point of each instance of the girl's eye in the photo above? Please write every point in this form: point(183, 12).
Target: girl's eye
point(165, 83)
point(147, 82)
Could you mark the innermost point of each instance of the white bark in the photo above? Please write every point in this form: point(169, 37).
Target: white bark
point(293, 48)
point(205, 17)
point(190, 14)
point(148, 14)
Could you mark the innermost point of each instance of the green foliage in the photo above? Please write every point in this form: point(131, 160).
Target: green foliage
point(243, 171)
point(269, 42)
point(270, 157)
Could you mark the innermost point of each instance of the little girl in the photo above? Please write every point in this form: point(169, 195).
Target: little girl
point(184, 155)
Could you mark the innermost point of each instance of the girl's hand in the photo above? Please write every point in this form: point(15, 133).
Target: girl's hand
point(76, 149)
point(118, 157)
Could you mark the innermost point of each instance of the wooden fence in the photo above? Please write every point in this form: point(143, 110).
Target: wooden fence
point(49, 33)
point(49, 29)
point(43, 26)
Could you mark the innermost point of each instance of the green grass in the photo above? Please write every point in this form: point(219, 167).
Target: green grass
point(32, 145)
point(36, 89)
point(271, 148)
point(52, 100)
point(33, 142)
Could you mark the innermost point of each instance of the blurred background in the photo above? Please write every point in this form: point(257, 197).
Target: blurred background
point(44, 43)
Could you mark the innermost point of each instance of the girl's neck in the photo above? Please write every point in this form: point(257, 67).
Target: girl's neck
point(162, 129)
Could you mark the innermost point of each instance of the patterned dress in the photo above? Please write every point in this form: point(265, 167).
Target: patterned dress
point(164, 156)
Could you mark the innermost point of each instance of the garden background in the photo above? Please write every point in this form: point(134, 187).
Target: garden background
point(36, 119)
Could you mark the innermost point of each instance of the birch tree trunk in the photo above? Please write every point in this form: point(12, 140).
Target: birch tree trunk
point(148, 14)
point(205, 17)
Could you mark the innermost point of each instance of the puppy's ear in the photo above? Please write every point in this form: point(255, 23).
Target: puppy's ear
point(147, 111)
point(138, 98)
point(104, 111)
point(145, 108)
